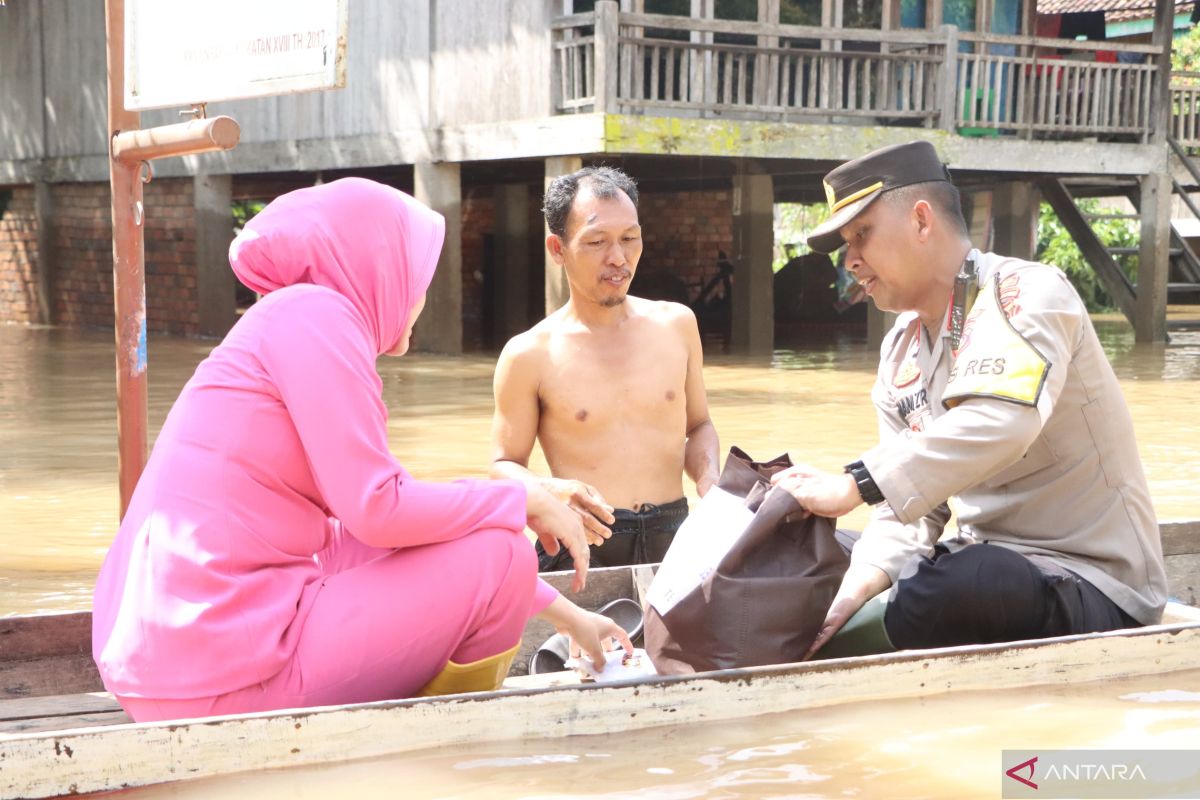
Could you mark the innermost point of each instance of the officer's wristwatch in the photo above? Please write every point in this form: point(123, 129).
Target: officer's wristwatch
point(866, 484)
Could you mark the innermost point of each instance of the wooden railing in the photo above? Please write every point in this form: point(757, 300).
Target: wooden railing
point(988, 84)
point(1185, 108)
point(1037, 89)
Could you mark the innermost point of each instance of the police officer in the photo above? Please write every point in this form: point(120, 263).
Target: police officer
point(993, 390)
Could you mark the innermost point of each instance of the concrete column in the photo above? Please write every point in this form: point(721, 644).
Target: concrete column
point(878, 324)
point(753, 328)
point(510, 298)
point(43, 209)
point(439, 329)
point(1150, 308)
point(557, 290)
point(1015, 217)
point(216, 286)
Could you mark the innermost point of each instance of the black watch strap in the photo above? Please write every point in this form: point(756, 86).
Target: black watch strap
point(866, 484)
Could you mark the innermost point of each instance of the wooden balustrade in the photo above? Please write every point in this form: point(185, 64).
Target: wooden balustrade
point(979, 84)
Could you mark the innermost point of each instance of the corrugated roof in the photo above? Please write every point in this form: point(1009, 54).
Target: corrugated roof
point(1115, 10)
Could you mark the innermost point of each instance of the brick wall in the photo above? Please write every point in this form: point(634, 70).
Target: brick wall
point(171, 296)
point(684, 234)
point(18, 256)
point(83, 285)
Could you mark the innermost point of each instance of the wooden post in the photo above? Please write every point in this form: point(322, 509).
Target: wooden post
point(753, 302)
point(1160, 103)
point(129, 281)
point(1150, 305)
point(557, 289)
point(43, 209)
point(607, 54)
point(948, 80)
point(1150, 309)
point(703, 82)
point(766, 67)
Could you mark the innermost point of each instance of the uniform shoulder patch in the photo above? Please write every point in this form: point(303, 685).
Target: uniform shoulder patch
point(906, 374)
point(994, 359)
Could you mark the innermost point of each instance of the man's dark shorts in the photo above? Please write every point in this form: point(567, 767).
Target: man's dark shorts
point(638, 537)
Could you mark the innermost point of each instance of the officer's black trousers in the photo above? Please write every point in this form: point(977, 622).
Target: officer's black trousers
point(986, 593)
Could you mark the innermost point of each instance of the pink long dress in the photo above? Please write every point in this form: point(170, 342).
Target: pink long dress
point(275, 554)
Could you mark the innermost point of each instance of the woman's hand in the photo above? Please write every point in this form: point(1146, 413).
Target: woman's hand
point(589, 632)
point(586, 501)
point(557, 526)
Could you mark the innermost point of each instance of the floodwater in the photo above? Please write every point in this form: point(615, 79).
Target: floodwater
point(58, 507)
point(58, 466)
point(944, 746)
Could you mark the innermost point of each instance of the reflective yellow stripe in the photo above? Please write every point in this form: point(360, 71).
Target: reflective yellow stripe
point(861, 193)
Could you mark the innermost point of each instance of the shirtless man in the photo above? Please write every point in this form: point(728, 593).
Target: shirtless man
point(609, 384)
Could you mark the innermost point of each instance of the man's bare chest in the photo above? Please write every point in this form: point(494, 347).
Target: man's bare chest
point(593, 389)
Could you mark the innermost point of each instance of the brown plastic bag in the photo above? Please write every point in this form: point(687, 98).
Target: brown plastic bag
point(767, 596)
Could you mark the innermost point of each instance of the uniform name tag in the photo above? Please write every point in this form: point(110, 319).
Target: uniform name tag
point(994, 359)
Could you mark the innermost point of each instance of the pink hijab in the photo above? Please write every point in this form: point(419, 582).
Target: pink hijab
point(371, 243)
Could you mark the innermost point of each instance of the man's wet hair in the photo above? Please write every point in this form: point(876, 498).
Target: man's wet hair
point(604, 183)
point(942, 195)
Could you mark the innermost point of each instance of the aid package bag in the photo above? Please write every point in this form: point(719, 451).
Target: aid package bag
point(747, 580)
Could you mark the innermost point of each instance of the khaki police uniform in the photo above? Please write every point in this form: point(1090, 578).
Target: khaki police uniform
point(1026, 428)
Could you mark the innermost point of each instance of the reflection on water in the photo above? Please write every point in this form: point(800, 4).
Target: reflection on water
point(58, 466)
point(946, 746)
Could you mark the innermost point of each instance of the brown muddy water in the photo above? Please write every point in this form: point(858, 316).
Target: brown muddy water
point(58, 464)
point(58, 507)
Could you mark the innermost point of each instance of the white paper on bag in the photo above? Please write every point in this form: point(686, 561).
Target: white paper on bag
point(703, 539)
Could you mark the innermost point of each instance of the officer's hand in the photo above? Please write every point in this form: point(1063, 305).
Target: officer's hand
point(860, 583)
point(822, 493)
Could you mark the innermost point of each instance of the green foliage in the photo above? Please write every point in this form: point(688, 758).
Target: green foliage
point(1055, 246)
point(244, 211)
point(1185, 53)
point(793, 221)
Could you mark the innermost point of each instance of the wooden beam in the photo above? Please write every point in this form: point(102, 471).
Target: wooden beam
point(604, 79)
point(1090, 246)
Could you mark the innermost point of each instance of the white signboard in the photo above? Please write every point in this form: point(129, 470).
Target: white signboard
point(181, 52)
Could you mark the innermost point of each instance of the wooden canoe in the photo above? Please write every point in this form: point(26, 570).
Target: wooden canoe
point(60, 733)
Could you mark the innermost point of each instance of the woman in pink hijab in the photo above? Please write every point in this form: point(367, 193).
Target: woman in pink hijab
point(275, 554)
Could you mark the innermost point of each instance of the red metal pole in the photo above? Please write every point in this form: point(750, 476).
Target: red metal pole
point(129, 280)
